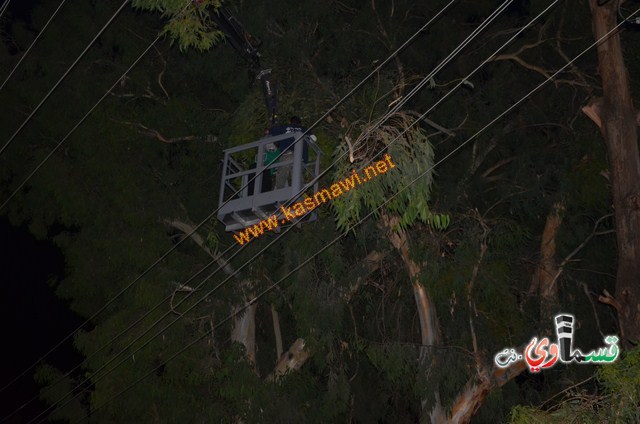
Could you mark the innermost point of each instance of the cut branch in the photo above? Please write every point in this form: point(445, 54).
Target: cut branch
point(593, 111)
point(291, 360)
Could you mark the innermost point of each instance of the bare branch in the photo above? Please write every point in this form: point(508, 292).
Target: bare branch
point(478, 388)
point(610, 300)
point(523, 63)
point(496, 166)
point(474, 275)
point(585, 288)
point(593, 233)
point(371, 263)
point(164, 68)
point(156, 134)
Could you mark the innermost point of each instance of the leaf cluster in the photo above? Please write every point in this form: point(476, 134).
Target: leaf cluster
point(189, 24)
point(403, 190)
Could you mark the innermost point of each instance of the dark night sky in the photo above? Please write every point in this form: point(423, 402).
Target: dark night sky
point(34, 319)
point(21, 9)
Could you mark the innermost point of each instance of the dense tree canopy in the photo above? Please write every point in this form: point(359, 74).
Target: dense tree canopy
point(402, 316)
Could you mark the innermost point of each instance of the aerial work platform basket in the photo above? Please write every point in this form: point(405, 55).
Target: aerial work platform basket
point(243, 203)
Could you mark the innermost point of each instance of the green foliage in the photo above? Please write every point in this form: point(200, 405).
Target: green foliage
point(114, 183)
point(403, 190)
point(620, 383)
point(188, 24)
point(397, 362)
point(54, 393)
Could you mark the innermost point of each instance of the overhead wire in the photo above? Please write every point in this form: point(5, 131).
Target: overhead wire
point(202, 270)
point(55, 86)
point(298, 267)
point(24, 182)
point(463, 80)
point(282, 235)
point(4, 7)
point(46, 158)
point(55, 12)
point(131, 326)
point(205, 220)
point(319, 120)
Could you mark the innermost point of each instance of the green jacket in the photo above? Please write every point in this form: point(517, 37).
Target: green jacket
point(269, 158)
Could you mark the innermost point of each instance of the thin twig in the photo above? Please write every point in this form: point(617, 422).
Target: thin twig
point(568, 388)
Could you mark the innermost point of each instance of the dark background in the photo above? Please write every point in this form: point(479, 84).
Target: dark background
point(35, 320)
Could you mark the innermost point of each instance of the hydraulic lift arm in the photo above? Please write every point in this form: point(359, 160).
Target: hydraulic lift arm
point(244, 44)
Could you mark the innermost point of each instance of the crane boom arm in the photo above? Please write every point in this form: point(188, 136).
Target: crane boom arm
point(244, 44)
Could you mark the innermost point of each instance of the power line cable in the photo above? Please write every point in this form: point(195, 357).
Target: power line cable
point(426, 79)
point(153, 325)
point(268, 246)
point(4, 7)
point(208, 277)
point(255, 299)
point(131, 326)
point(46, 97)
point(220, 255)
point(159, 260)
point(32, 44)
point(335, 106)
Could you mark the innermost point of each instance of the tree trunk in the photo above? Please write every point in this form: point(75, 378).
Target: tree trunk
point(429, 331)
point(619, 130)
point(489, 378)
point(545, 275)
point(244, 331)
point(426, 310)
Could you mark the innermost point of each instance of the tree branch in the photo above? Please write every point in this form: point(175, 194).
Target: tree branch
point(582, 245)
point(197, 238)
point(276, 330)
point(150, 132)
point(523, 63)
point(593, 111)
point(478, 388)
point(291, 360)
